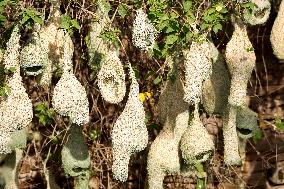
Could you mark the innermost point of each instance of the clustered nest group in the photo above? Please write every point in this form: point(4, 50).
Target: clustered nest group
point(217, 82)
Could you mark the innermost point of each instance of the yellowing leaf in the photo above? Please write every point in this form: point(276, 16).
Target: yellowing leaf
point(142, 97)
point(148, 94)
point(219, 8)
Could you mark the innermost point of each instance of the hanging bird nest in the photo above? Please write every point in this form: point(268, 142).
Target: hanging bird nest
point(33, 60)
point(240, 58)
point(10, 169)
point(97, 47)
point(16, 110)
point(215, 91)
point(70, 97)
point(75, 156)
point(111, 79)
point(246, 122)
point(143, 32)
point(198, 67)
point(164, 157)
point(276, 36)
point(171, 101)
point(196, 144)
point(231, 141)
point(129, 134)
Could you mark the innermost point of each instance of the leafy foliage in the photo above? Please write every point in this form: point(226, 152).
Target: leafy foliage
point(180, 23)
point(257, 136)
point(122, 10)
point(44, 113)
point(69, 24)
point(5, 89)
point(3, 5)
point(201, 176)
point(30, 16)
point(111, 35)
point(279, 124)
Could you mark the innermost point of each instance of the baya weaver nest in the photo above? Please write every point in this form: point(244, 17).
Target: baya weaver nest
point(111, 78)
point(16, 110)
point(198, 67)
point(196, 143)
point(97, 47)
point(246, 122)
point(231, 141)
point(33, 60)
point(163, 157)
point(240, 58)
point(143, 32)
point(215, 90)
point(129, 133)
point(276, 36)
point(75, 156)
point(70, 98)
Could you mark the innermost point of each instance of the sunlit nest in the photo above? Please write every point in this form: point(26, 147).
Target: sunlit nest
point(196, 143)
point(276, 36)
point(111, 79)
point(198, 67)
point(240, 58)
point(129, 134)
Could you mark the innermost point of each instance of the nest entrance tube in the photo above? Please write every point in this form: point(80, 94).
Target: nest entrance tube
point(75, 156)
point(246, 122)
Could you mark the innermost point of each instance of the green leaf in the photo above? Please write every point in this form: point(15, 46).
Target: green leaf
point(75, 24)
point(50, 113)
point(171, 39)
point(38, 19)
point(25, 19)
point(169, 29)
point(217, 27)
point(40, 108)
point(122, 10)
point(250, 49)
point(107, 6)
point(93, 134)
point(224, 10)
point(148, 116)
point(248, 5)
point(2, 20)
point(10, 70)
point(210, 11)
point(54, 139)
point(199, 167)
point(65, 21)
point(173, 15)
point(186, 5)
point(204, 26)
point(279, 124)
point(42, 120)
point(157, 80)
point(29, 15)
point(200, 184)
point(258, 135)
point(163, 25)
point(137, 3)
